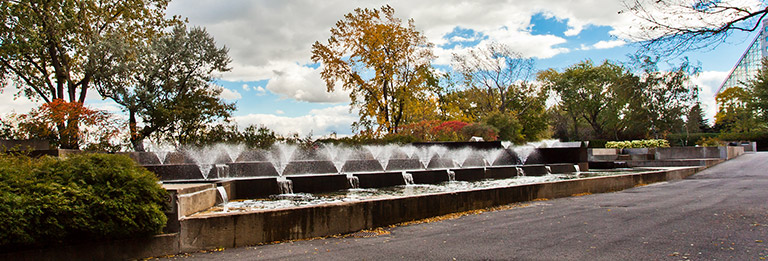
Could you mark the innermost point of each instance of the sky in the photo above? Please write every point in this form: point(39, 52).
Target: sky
point(274, 82)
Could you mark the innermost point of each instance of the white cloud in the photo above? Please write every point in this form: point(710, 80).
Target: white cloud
point(279, 112)
point(608, 44)
point(265, 35)
point(260, 91)
point(709, 81)
point(246, 87)
point(303, 84)
point(320, 121)
point(228, 94)
point(10, 104)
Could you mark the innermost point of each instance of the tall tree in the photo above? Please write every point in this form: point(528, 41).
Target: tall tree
point(498, 70)
point(502, 77)
point(734, 113)
point(696, 123)
point(759, 89)
point(168, 84)
point(46, 45)
point(590, 93)
point(659, 98)
point(383, 62)
point(670, 27)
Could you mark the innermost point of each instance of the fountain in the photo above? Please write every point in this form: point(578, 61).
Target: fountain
point(330, 167)
point(407, 178)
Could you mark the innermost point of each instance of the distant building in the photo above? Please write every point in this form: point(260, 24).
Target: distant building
point(749, 63)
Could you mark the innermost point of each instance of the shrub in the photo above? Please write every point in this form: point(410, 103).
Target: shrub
point(683, 139)
point(449, 131)
point(597, 143)
point(709, 142)
point(480, 130)
point(84, 197)
point(508, 126)
point(760, 137)
point(659, 143)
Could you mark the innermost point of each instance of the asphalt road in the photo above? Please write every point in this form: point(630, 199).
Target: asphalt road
point(718, 214)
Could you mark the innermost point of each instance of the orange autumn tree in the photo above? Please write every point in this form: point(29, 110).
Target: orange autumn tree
point(94, 126)
point(383, 61)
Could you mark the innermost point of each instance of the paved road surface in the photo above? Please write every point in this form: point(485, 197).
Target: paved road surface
point(718, 214)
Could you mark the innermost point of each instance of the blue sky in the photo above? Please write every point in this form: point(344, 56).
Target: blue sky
point(274, 82)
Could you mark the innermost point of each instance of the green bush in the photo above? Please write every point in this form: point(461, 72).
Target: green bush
point(760, 137)
point(709, 142)
point(690, 139)
point(487, 132)
point(85, 197)
point(659, 143)
point(597, 143)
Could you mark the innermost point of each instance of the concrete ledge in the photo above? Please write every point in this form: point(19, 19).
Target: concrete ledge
point(429, 176)
point(534, 170)
point(194, 202)
point(255, 188)
point(380, 179)
point(562, 168)
point(501, 172)
point(319, 183)
point(473, 174)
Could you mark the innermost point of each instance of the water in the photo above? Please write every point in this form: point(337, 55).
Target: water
point(285, 186)
point(232, 150)
point(451, 176)
point(357, 194)
point(205, 169)
point(490, 156)
point(408, 178)
point(223, 194)
point(576, 166)
point(354, 182)
point(280, 154)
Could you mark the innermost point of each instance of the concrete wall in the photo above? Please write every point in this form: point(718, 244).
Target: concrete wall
point(687, 153)
point(601, 151)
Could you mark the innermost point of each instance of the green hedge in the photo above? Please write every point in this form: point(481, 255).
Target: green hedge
point(47, 201)
point(760, 137)
point(660, 143)
point(682, 139)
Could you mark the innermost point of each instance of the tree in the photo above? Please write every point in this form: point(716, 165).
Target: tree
point(168, 84)
point(670, 27)
point(499, 71)
point(384, 63)
point(590, 93)
point(46, 46)
point(96, 127)
point(501, 77)
point(734, 113)
point(696, 123)
point(660, 98)
point(508, 126)
point(759, 89)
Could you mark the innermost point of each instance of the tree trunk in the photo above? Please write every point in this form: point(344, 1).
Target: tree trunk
point(137, 139)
